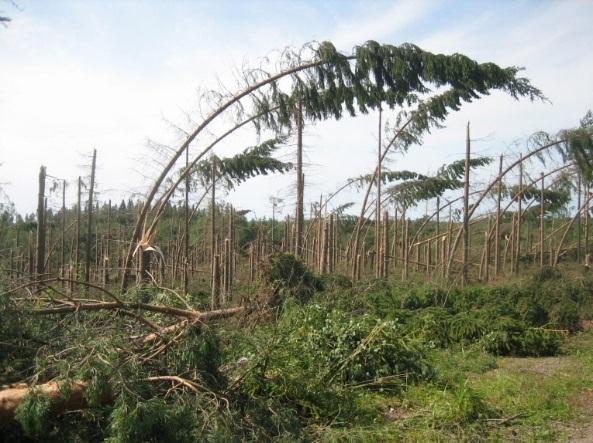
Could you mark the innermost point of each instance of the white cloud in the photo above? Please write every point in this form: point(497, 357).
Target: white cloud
point(380, 22)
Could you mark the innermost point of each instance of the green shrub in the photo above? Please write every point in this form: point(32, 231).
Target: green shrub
point(532, 312)
point(565, 315)
point(466, 327)
point(285, 276)
point(314, 360)
point(545, 274)
point(334, 282)
point(431, 326)
point(514, 337)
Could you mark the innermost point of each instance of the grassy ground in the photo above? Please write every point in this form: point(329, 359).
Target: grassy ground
point(481, 398)
point(325, 360)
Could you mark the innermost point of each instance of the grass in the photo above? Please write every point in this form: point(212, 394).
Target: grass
point(351, 363)
point(545, 391)
point(476, 397)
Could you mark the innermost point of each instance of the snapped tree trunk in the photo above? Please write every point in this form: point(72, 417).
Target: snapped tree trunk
point(87, 267)
point(40, 264)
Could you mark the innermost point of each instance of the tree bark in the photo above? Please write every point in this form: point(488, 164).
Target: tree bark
point(87, 268)
point(466, 209)
point(40, 264)
point(299, 215)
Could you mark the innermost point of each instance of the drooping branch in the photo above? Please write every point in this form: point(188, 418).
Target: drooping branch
point(381, 74)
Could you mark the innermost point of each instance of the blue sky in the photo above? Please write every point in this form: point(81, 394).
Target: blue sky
point(75, 75)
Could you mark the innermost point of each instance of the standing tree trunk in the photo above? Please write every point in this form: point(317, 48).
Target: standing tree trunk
point(63, 229)
point(466, 209)
point(186, 226)
point(107, 257)
point(378, 242)
point(519, 216)
point(541, 223)
point(497, 227)
point(405, 250)
point(487, 260)
point(299, 216)
point(213, 213)
point(578, 222)
point(40, 264)
point(587, 198)
point(385, 248)
point(87, 268)
point(78, 224)
point(438, 235)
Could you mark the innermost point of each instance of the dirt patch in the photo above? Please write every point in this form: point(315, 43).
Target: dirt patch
point(584, 401)
point(544, 366)
point(583, 433)
point(585, 325)
point(394, 414)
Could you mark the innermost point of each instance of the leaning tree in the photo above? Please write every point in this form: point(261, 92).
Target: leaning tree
point(207, 174)
point(320, 82)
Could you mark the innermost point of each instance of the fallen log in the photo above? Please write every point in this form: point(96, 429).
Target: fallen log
point(208, 315)
point(12, 397)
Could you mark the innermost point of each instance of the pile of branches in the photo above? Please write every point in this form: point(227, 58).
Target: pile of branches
point(64, 337)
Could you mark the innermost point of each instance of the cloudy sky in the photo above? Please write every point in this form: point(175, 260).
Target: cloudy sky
point(119, 76)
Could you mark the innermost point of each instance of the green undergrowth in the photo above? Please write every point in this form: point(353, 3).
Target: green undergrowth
point(375, 361)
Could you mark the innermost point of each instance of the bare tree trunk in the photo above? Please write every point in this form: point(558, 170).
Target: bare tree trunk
point(215, 292)
point(578, 222)
point(87, 269)
point(438, 235)
point(251, 263)
point(226, 273)
point(498, 221)
point(587, 198)
point(466, 209)
point(318, 238)
point(17, 248)
point(186, 226)
point(324, 241)
point(378, 242)
point(511, 242)
point(299, 215)
point(569, 225)
point(107, 258)
point(394, 249)
point(78, 225)
point(405, 239)
point(446, 267)
point(286, 244)
point(213, 214)
point(232, 263)
point(487, 261)
point(31, 260)
point(385, 248)
point(519, 216)
point(63, 237)
point(541, 223)
point(40, 265)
